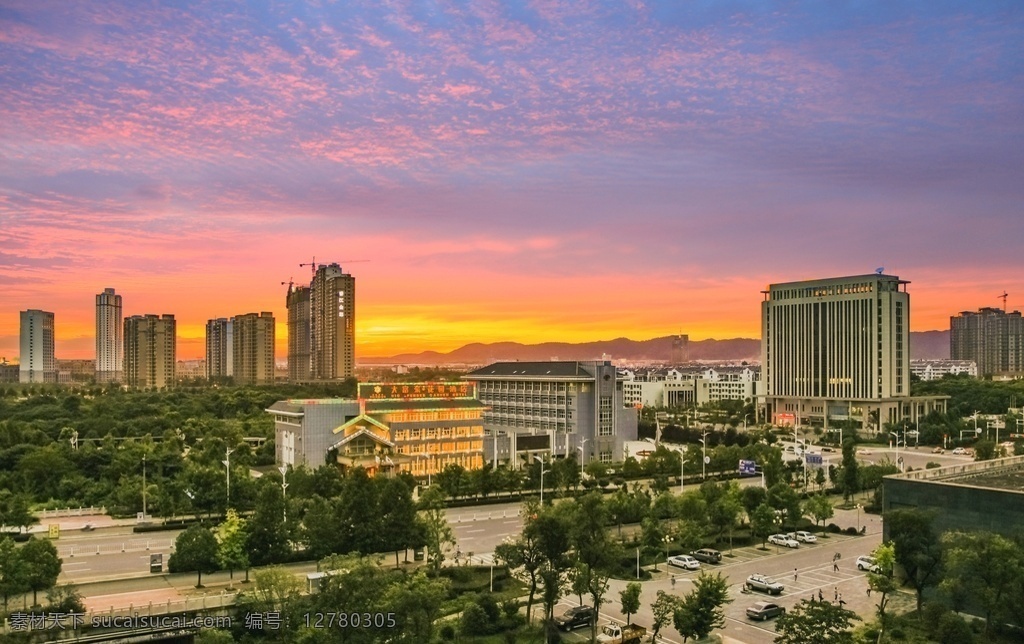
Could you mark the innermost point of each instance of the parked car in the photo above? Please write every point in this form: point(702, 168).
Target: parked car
point(783, 540)
point(764, 584)
point(938, 450)
point(827, 449)
point(575, 617)
point(865, 562)
point(684, 561)
point(959, 451)
point(707, 555)
point(803, 536)
point(764, 610)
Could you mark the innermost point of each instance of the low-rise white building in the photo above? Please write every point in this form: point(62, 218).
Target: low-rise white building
point(936, 369)
point(679, 388)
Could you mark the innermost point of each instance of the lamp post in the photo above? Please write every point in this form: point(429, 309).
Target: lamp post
point(143, 487)
point(682, 472)
point(227, 465)
point(897, 437)
point(583, 454)
point(703, 455)
point(858, 517)
point(284, 497)
point(542, 473)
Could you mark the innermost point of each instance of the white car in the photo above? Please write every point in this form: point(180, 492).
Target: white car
point(806, 537)
point(959, 451)
point(684, 561)
point(783, 540)
point(865, 562)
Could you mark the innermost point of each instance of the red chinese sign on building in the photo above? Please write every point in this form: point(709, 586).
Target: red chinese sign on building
point(416, 390)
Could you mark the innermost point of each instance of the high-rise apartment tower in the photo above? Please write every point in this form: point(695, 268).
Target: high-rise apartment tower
point(298, 333)
point(332, 304)
point(109, 337)
point(253, 348)
point(992, 338)
point(37, 340)
point(219, 348)
point(150, 353)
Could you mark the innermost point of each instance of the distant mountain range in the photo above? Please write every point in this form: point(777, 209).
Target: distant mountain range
point(924, 345)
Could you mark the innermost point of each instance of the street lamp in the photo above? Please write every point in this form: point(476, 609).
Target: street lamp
point(143, 487)
point(682, 471)
point(542, 473)
point(284, 495)
point(583, 454)
point(227, 464)
point(858, 516)
point(703, 455)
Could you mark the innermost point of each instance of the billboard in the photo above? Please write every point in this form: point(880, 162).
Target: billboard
point(748, 468)
point(416, 390)
point(785, 420)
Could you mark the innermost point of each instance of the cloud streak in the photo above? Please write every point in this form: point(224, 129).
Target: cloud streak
point(524, 149)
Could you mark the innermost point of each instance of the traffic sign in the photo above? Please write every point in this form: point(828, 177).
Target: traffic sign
point(54, 531)
point(748, 468)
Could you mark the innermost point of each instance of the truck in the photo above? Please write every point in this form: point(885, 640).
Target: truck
point(615, 634)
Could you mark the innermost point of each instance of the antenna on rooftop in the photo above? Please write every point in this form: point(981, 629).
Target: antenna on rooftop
point(880, 270)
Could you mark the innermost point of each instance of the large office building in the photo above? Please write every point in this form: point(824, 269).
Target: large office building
point(837, 350)
point(37, 362)
point(419, 428)
point(992, 338)
point(109, 337)
point(150, 351)
point(332, 305)
point(553, 409)
point(298, 333)
point(219, 342)
point(253, 348)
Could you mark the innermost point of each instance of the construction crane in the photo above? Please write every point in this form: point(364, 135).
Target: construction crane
point(1004, 296)
point(312, 265)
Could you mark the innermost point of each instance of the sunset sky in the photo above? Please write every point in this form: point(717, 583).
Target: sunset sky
point(549, 170)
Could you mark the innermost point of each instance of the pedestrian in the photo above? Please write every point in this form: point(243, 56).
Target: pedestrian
point(821, 595)
point(794, 574)
point(841, 602)
point(673, 581)
point(837, 593)
point(835, 566)
point(869, 591)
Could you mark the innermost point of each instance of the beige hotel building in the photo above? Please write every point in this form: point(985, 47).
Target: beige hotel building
point(839, 349)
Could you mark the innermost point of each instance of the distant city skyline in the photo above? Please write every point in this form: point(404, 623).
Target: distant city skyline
point(526, 172)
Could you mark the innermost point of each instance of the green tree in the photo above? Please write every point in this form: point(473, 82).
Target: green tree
point(819, 508)
point(882, 583)
point(751, 497)
point(13, 576)
point(435, 529)
point(701, 610)
point(594, 548)
point(397, 517)
point(275, 588)
point(985, 450)
point(850, 474)
point(630, 599)
point(267, 535)
point(984, 566)
point(194, 549)
point(725, 511)
point(763, 522)
point(526, 552)
point(232, 538)
point(811, 622)
point(917, 548)
point(663, 609)
point(41, 565)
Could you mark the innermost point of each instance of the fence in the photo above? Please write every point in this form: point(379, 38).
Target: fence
point(70, 512)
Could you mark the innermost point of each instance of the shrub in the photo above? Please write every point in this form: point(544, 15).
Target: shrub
point(952, 629)
point(474, 621)
point(447, 633)
point(931, 465)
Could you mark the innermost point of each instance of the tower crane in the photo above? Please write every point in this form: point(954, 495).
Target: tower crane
point(313, 265)
point(1004, 296)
